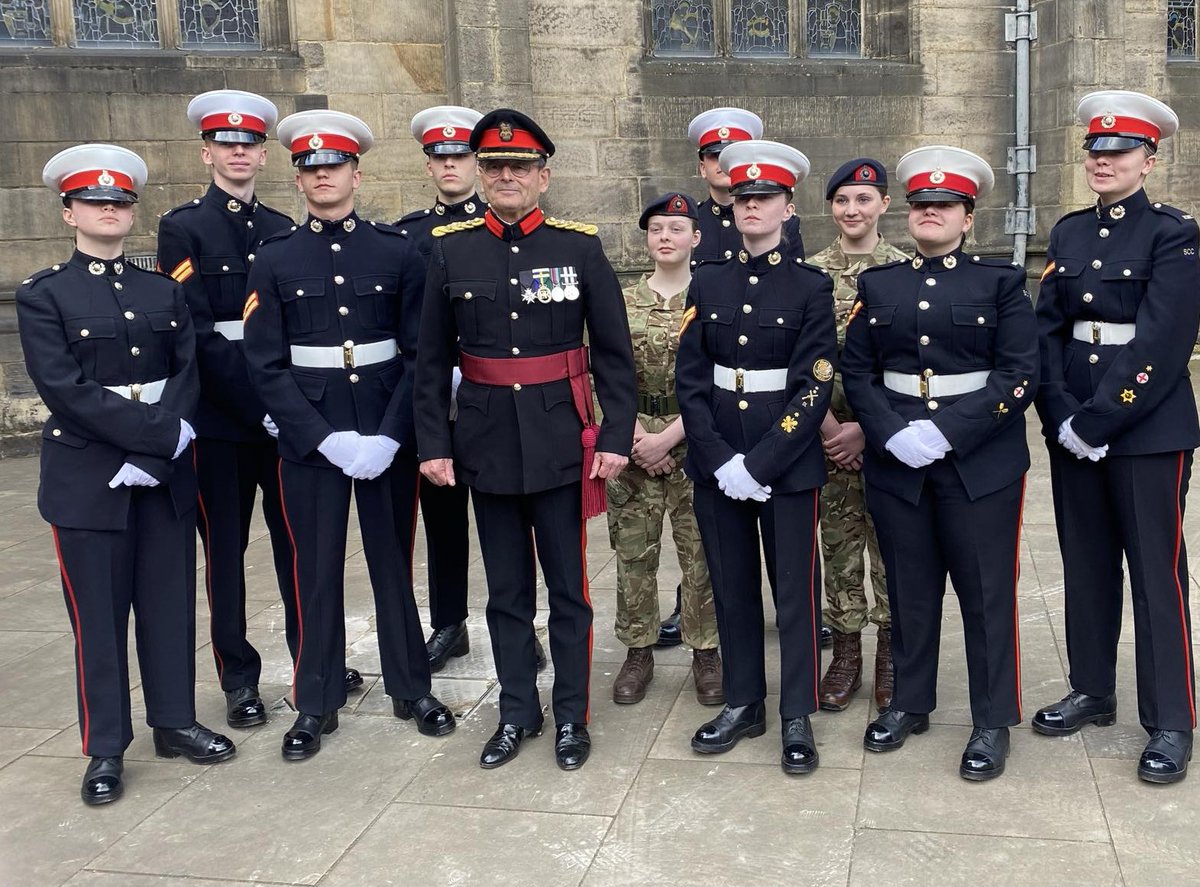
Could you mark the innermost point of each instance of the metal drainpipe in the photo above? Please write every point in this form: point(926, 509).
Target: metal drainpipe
point(1020, 220)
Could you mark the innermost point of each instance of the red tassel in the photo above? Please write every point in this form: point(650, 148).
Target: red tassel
point(595, 496)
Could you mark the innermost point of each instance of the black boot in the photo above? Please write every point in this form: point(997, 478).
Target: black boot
point(888, 731)
point(102, 781)
point(433, 718)
point(445, 643)
point(670, 632)
point(244, 707)
point(505, 744)
point(197, 743)
point(1074, 710)
point(985, 754)
point(353, 679)
point(304, 739)
point(799, 747)
point(1165, 758)
point(723, 732)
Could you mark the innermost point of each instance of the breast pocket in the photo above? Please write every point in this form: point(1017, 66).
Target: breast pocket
point(90, 339)
point(377, 300)
point(225, 283)
point(783, 325)
point(1127, 279)
point(474, 303)
point(717, 323)
point(305, 309)
point(973, 334)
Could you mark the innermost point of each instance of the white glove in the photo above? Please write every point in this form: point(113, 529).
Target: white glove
point(269, 424)
point(132, 476)
point(737, 483)
point(340, 448)
point(375, 454)
point(1076, 445)
point(906, 445)
point(186, 435)
point(931, 436)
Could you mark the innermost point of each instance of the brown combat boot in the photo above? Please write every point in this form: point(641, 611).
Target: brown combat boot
point(634, 677)
point(883, 669)
point(845, 672)
point(706, 673)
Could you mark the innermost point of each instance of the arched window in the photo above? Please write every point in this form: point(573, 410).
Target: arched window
point(756, 28)
point(1181, 29)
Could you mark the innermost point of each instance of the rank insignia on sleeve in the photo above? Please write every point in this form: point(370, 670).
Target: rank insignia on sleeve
point(1142, 378)
point(1049, 268)
point(551, 284)
point(1000, 410)
point(183, 270)
point(789, 424)
point(823, 370)
point(811, 398)
point(251, 305)
point(688, 316)
point(854, 311)
point(1127, 395)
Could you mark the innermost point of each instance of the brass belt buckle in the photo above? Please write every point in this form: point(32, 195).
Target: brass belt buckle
point(1095, 333)
point(348, 355)
point(135, 391)
point(739, 379)
point(924, 388)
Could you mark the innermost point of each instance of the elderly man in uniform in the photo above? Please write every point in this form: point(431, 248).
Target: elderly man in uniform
point(512, 293)
point(331, 324)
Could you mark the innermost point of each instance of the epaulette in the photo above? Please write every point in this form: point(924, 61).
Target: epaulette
point(1164, 209)
point(455, 227)
point(1078, 212)
point(697, 264)
point(191, 204)
point(996, 262)
point(808, 266)
point(388, 228)
point(568, 225)
point(279, 235)
point(885, 266)
point(43, 274)
point(413, 216)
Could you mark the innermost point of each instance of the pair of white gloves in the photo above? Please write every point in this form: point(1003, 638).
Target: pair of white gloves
point(1077, 446)
point(736, 482)
point(360, 456)
point(131, 476)
point(918, 445)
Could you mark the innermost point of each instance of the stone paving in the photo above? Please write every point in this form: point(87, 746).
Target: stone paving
point(382, 805)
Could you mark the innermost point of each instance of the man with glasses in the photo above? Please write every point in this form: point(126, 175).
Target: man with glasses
point(511, 293)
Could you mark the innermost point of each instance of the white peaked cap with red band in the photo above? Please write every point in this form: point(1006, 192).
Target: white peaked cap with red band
point(96, 172)
point(941, 173)
point(323, 138)
point(445, 129)
point(231, 115)
point(1118, 120)
point(711, 131)
point(762, 167)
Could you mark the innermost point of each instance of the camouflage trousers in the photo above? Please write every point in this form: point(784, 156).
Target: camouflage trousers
point(846, 532)
point(637, 504)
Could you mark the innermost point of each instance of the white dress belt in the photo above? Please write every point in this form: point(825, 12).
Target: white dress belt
point(946, 385)
point(1097, 332)
point(146, 392)
point(345, 356)
point(230, 329)
point(749, 381)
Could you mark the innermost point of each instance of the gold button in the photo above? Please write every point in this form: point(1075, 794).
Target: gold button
point(299, 292)
point(924, 340)
point(129, 315)
point(56, 432)
point(85, 333)
point(1096, 263)
point(135, 350)
point(516, 249)
point(1087, 297)
point(468, 295)
point(516, 350)
point(928, 374)
point(742, 340)
point(929, 281)
point(742, 405)
point(753, 280)
point(343, 310)
point(337, 247)
point(514, 315)
point(224, 267)
point(746, 309)
point(354, 377)
point(980, 320)
point(933, 404)
point(516, 386)
point(729, 254)
point(1093, 358)
point(923, 305)
point(338, 279)
point(348, 344)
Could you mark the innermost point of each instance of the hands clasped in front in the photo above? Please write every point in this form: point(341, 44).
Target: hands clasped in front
point(736, 482)
point(360, 456)
point(130, 475)
point(921, 443)
point(1076, 445)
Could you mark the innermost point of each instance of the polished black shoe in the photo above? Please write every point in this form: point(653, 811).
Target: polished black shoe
point(572, 745)
point(670, 631)
point(1165, 758)
point(799, 747)
point(985, 754)
point(1074, 710)
point(723, 732)
point(354, 680)
point(826, 636)
point(447, 642)
point(197, 743)
point(505, 744)
point(433, 718)
point(304, 739)
point(102, 781)
point(244, 707)
point(539, 653)
point(888, 731)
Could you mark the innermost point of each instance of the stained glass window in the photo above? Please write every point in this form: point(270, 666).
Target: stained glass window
point(116, 22)
point(1181, 29)
point(216, 24)
point(834, 27)
point(682, 27)
point(26, 22)
point(759, 27)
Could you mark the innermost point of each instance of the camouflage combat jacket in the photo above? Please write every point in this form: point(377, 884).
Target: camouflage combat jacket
point(654, 328)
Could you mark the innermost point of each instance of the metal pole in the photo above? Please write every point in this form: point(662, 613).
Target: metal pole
point(1021, 30)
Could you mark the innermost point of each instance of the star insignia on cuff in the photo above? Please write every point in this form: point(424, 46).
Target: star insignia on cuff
point(1127, 395)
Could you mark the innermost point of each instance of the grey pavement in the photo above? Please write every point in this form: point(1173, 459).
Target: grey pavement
point(382, 805)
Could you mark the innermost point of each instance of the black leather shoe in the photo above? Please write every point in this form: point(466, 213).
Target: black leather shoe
point(447, 642)
point(102, 781)
point(540, 653)
point(1165, 758)
point(985, 754)
point(354, 680)
point(244, 707)
point(799, 747)
point(1074, 710)
point(505, 744)
point(304, 739)
point(723, 732)
point(670, 631)
point(433, 718)
point(888, 731)
point(572, 745)
point(826, 636)
point(197, 743)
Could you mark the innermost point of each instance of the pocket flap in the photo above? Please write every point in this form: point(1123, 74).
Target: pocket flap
point(973, 315)
point(475, 397)
point(722, 314)
point(311, 385)
point(1126, 269)
point(55, 432)
point(301, 287)
point(222, 265)
point(880, 315)
point(370, 284)
point(1066, 267)
point(780, 318)
point(468, 290)
point(555, 393)
point(162, 321)
point(95, 327)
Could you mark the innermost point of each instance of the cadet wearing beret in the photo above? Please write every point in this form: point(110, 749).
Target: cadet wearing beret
point(1117, 316)
point(331, 324)
point(111, 351)
point(940, 364)
point(754, 376)
point(511, 294)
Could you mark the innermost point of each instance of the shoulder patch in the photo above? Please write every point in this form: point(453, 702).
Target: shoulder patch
point(455, 227)
point(567, 225)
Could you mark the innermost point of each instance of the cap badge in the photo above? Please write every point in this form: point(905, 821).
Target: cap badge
point(937, 177)
point(96, 268)
point(506, 133)
point(753, 172)
point(723, 132)
point(866, 174)
point(1108, 121)
point(235, 119)
point(233, 206)
point(316, 142)
point(677, 205)
point(448, 131)
point(106, 179)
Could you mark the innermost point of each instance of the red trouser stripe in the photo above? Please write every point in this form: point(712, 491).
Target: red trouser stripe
point(812, 597)
point(208, 568)
point(587, 597)
point(295, 582)
point(1016, 585)
point(62, 566)
point(1183, 624)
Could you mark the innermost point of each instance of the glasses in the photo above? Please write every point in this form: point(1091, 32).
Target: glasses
point(518, 169)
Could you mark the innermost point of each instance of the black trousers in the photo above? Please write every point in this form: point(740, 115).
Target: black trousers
point(149, 567)
point(730, 531)
point(977, 544)
point(447, 542)
point(229, 476)
point(316, 503)
point(509, 526)
point(1131, 506)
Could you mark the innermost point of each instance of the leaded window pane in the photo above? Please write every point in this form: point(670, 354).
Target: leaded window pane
point(834, 27)
point(116, 22)
point(26, 22)
point(219, 24)
point(759, 27)
point(682, 27)
point(1181, 29)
